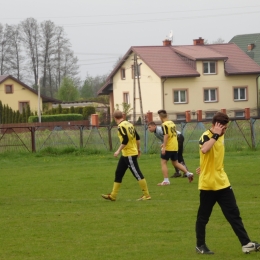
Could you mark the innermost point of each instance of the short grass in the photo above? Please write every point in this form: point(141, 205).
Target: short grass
point(51, 209)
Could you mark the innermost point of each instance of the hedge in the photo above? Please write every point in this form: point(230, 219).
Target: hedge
point(56, 118)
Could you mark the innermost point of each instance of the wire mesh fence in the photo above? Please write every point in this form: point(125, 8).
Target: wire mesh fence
point(240, 135)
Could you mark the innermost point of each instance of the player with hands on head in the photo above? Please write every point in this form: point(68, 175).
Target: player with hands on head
point(215, 187)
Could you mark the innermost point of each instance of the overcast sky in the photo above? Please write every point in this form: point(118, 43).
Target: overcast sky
point(101, 31)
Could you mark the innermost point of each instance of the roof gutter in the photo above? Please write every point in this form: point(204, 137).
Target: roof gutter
point(163, 105)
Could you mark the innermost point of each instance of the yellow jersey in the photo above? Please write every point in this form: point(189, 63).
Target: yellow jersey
point(128, 136)
point(212, 175)
point(169, 128)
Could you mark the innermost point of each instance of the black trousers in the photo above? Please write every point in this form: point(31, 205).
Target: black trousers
point(180, 148)
point(227, 202)
point(128, 162)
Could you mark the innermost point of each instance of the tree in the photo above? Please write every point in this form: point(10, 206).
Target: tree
point(31, 40)
point(4, 51)
point(87, 91)
point(68, 91)
point(48, 32)
point(91, 86)
point(15, 45)
point(219, 40)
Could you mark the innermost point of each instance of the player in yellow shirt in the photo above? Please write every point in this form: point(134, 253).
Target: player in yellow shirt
point(214, 187)
point(130, 147)
point(170, 149)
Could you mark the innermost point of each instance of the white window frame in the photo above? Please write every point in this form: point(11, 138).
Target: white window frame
point(179, 96)
point(209, 114)
point(210, 100)
point(239, 114)
point(126, 97)
point(209, 71)
point(180, 117)
point(134, 71)
point(122, 71)
point(239, 94)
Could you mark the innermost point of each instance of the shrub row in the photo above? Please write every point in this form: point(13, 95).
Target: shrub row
point(56, 118)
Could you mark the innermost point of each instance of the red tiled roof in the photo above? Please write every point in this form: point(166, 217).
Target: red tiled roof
point(199, 52)
point(165, 62)
point(238, 62)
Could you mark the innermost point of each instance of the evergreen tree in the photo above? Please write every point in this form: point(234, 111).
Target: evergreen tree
point(68, 91)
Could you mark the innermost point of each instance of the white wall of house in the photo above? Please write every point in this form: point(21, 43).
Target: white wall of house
point(224, 86)
point(151, 91)
point(20, 94)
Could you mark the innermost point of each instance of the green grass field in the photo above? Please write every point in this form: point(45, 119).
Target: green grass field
point(51, 209)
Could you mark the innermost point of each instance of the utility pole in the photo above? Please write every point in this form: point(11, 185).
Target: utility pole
point(139, 89)
point(134, 94)
point(136, 74)
point(39, 102)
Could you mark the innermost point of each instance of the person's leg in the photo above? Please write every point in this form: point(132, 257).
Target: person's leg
point(119, 174)
point(134, 168)
point(207, 201)
point(227, 202)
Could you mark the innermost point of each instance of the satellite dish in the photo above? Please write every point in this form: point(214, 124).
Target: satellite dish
point(170, 36)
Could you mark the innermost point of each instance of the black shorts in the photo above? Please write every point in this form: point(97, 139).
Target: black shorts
point(173, 155)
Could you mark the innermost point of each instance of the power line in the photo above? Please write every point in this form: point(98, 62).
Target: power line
point(134, 14)
point(157, 20)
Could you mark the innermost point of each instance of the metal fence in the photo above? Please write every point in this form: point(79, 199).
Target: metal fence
point(240, 135)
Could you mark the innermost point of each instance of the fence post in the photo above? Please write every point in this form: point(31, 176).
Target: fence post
point(187, 115)
point(252, 133)
point(199, 115)
point(109, 128)
point(33, 139)
point(81, 136)
point(247, 113)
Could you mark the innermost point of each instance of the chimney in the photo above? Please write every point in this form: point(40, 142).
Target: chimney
point(199, 41)
point(167, 43)
point(250, 47)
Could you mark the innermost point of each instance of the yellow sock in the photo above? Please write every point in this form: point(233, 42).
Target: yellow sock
point(115, 190)
point(144, 187)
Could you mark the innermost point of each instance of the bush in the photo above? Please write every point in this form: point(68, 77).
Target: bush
point(87, 111)
point(56, 118)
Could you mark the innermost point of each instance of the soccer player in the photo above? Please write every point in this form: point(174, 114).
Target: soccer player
point(158, 132)
point(169, 149)
point(215, 187)
point(130, 148)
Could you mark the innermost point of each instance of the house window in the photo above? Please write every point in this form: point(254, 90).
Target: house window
point(136, 71)
point(240, 93)
point(239, 114)
point(209, 67)
point(122, 73)
point(209, 115)
point(180, 96)
point(210, 95)
point(22, 105)
point(8, 89)
point(126, 98)
point(181, 117)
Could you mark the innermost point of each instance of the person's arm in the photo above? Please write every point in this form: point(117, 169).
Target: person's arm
point(165, 138)
point(123, 133)
point(208, 143)
point(138, 142)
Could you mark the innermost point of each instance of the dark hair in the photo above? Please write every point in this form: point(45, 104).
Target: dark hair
point(151, 123)
point(221, 118)
point(162, 111)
